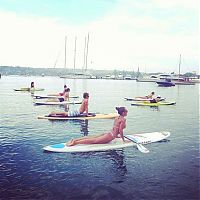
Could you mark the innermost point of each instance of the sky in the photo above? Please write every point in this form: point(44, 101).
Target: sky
point(123, 34)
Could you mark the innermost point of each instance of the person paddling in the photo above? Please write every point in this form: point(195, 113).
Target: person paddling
point(117, 131)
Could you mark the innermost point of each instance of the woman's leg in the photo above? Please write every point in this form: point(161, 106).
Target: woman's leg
point(53, 100)
point(101, 139)
point(64, 114)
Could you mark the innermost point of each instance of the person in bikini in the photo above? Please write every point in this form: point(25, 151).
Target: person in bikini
point(117, 131)
point(83, 110)
point(59, 94)
point(65, 97)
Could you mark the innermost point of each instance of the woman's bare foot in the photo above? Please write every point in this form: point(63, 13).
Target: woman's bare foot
point(70, 143)
point(52, 114)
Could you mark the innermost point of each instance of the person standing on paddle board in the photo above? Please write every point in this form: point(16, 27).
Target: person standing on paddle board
point(117, 131)
point(82, 110)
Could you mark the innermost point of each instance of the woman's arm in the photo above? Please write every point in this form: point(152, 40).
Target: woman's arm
point(122, 126)
point(86, 107)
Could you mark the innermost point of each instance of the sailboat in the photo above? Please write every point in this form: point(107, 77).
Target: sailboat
point(181, 81)
point(82, 74)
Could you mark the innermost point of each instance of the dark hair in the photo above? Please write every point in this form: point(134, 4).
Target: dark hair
point(120, 110)
point(153, 93)
point(65, 86)
point(85, 94)
point(67, 90)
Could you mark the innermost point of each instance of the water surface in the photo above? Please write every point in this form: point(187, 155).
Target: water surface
point(169, 171)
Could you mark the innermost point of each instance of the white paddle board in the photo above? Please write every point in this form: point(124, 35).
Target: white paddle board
point(51, 97)
point(117, 143)
point(57, 102)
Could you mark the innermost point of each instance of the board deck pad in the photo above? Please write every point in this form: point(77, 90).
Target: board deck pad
point(117, 143)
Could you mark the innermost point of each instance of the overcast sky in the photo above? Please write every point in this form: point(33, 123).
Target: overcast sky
point(124, 34)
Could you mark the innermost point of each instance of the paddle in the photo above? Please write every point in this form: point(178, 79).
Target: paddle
point(140, 147)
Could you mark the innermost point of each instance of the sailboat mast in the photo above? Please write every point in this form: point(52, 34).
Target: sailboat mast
point(86, 53)
point(65, 50)
point(179, 69)
point(75, 53)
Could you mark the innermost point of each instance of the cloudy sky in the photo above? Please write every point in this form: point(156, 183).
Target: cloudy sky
point(124, 34)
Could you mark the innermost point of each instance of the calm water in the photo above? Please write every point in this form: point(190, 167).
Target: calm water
point(169, 171)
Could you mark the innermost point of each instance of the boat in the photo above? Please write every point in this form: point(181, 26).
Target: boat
point(179, 80)
point(165, 83)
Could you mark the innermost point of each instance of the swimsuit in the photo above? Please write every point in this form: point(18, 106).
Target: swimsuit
point(153, 101)
point(74, 113)
point(112, 134)
point(61, 99)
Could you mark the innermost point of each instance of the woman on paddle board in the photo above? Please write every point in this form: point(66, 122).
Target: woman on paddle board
point(82, 110)
point(150, 96)
point(65, 97)
point(117, 131)
point(61, 93)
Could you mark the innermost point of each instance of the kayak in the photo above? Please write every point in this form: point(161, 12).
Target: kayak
point(153, 104)
point(57, 102)
point(29, 89)
point(141, 99)
point(117, 143)
point(97, 116)
point(51, 97)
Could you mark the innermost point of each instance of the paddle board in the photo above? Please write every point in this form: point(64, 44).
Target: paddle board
point(140, 99)
point(29, 89)
point(97, 116)
point(152, 104)
point(57, 102)
point(51, 97)
point(117, 143)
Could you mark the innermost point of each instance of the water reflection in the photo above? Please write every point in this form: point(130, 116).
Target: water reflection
point(84, 127)
point(155, 108)
point(117, 157)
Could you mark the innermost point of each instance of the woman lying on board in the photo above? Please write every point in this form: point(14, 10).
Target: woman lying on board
point(118, 127)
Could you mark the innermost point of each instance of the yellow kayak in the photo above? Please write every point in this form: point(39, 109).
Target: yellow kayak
point(29, 89)
point(153, 104)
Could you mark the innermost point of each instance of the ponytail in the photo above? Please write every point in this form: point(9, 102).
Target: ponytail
point(120, 110)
